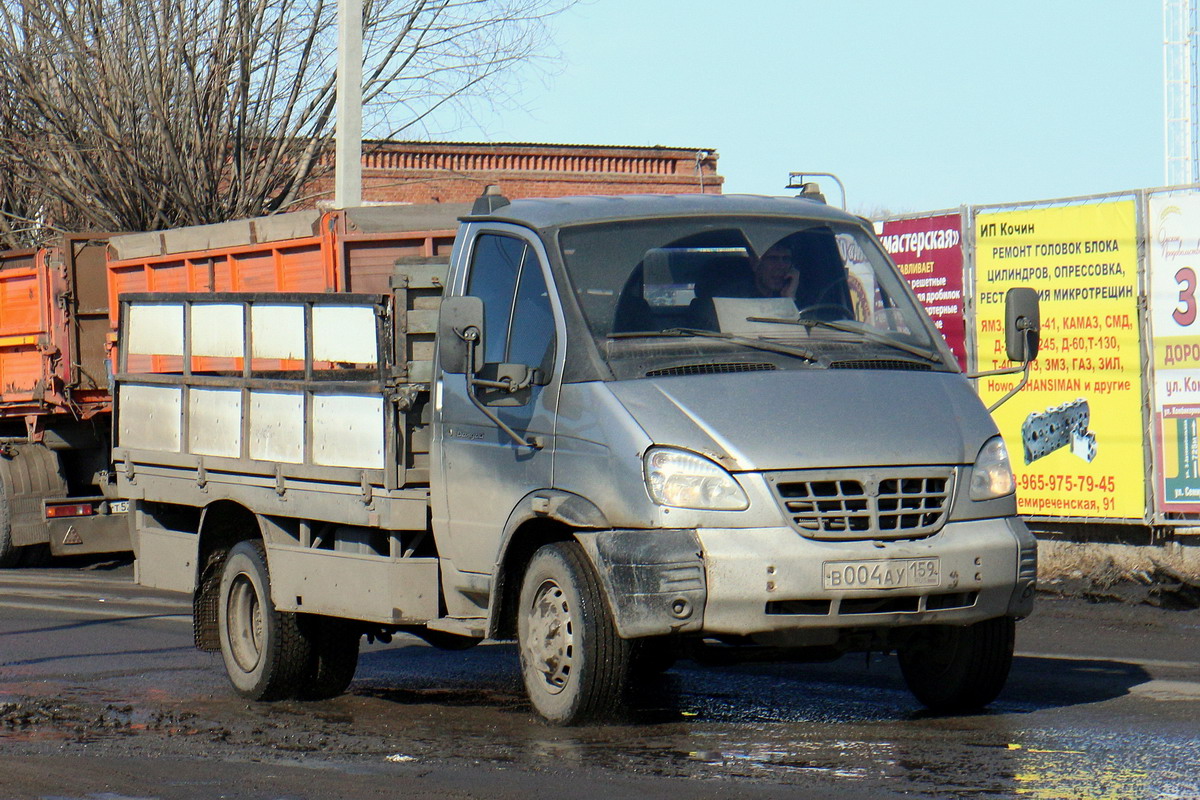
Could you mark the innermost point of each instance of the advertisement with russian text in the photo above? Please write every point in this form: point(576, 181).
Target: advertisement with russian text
point(1173, 267)
point(1075, 432)
point(928, 251)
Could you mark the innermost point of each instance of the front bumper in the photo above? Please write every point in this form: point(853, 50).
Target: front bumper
point(770, 579)
point(748, 581)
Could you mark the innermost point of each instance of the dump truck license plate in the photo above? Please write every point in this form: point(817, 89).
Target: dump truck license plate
point(896, 573)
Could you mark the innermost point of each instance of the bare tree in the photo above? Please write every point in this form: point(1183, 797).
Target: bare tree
point(146, 114)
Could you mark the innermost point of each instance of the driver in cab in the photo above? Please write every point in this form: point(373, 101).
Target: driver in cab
point(775, 273)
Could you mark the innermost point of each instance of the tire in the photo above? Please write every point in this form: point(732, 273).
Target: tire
point(266, 654)
point(10, 555)
point(575, 666)
point(960, 669)
point(334, 659)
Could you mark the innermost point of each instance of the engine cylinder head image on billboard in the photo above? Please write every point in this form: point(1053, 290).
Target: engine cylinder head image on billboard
point(1066, 425)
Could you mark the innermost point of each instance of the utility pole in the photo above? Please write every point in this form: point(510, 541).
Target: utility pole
point(1181, 89)
point(347, 189)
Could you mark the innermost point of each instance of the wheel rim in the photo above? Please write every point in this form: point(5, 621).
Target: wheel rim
point(550, 646)
point(244, 621)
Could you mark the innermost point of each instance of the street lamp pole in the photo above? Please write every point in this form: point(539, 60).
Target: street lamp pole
point(347, 189)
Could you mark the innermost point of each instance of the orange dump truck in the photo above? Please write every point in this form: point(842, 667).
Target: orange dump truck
point(54, 401)
point(58, 311)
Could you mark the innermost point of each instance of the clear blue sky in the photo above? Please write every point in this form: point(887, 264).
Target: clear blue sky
point(916, 104)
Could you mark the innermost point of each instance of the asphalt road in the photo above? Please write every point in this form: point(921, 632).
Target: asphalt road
point(103, 697)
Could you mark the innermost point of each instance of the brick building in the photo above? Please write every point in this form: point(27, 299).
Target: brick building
point(454, 172)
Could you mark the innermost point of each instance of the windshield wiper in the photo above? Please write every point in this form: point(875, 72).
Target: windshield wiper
point(867, 333)
point(757, 344)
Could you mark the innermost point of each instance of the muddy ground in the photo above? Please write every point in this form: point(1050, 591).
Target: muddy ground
point(1101, 703)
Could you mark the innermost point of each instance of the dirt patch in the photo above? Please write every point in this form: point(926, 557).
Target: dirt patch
point(82, 721)
point(1164, 576)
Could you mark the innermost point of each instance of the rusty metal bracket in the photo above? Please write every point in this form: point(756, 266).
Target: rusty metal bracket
point(33, 422)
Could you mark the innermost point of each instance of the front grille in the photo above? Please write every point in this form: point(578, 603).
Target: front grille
point(712, 369)
point(865, 504)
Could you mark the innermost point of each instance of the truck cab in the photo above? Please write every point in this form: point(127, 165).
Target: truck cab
point(792, 461)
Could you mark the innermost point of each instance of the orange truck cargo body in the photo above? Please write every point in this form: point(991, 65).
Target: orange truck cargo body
point(53, 324)
point(340, 251)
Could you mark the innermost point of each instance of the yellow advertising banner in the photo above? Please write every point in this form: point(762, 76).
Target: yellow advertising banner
point(1075, 432)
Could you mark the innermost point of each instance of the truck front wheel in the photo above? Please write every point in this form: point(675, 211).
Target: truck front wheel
point(959, 669)
point(575, 666)
point(267, 656)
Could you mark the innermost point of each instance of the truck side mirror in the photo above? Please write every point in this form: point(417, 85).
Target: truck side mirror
point(460, 328)
point(1022, 324)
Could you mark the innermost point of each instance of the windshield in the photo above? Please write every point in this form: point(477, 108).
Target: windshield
point(797, 293)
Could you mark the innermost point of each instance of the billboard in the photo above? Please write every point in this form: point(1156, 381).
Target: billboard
point(1075, 433)
point(1173, 269)
point(929, 253)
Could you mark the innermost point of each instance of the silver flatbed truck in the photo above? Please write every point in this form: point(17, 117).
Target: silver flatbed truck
point(618, 437)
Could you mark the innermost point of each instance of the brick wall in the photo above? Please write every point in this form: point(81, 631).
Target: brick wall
point(421, 172)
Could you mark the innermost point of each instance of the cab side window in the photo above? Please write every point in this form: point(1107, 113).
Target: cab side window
point(495, 266)
point(518, 322)
point(531, 338)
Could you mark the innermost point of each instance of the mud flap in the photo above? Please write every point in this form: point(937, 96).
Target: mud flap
point(654, 580)
point(1021, 604)
point(27, 478)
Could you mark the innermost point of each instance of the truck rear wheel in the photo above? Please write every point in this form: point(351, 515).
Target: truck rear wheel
point(10, 555)
point(959, 669)
point(30, 555)
point(267, 656)
point(575, 666)
point(334, 660)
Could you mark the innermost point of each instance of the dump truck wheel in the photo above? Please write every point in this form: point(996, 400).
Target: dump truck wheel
point(334, 658)
point(266, 655)
point(10, 555)
point(960, 669)
point(575, 666)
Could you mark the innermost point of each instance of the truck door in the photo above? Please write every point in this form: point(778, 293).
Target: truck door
point(484, 471)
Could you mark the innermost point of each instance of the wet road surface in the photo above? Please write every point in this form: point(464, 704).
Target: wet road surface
point(103, 696)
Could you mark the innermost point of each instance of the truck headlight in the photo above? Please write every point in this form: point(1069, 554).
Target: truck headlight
point(681, 479)
point(992, 474)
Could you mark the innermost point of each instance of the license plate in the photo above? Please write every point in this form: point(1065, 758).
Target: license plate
point(893, 573)
point(118, 507)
